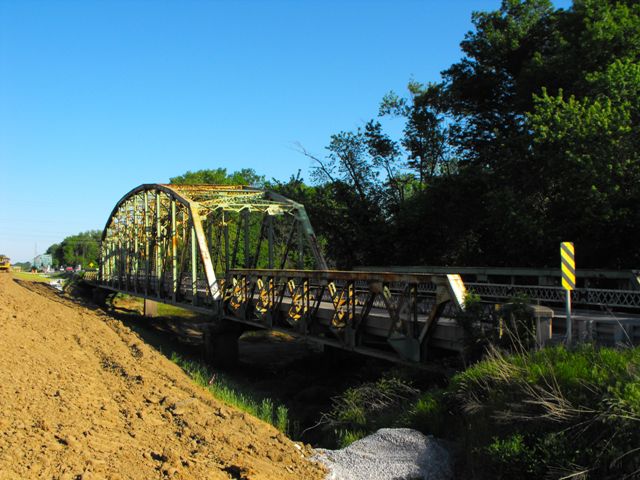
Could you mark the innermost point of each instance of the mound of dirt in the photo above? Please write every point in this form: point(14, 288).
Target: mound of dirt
point(82, 396)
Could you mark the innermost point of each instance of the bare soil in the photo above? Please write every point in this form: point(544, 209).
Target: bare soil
point(82, 396)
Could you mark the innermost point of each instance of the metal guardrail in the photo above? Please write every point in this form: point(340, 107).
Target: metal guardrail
point(628, 299)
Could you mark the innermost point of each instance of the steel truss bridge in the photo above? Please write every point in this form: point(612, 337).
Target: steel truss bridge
point(250, 259)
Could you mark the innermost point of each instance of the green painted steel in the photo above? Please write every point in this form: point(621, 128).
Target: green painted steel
point(250, 256)
point(161, 236)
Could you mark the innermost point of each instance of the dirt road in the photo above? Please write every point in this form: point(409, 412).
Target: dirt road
point(81, 396)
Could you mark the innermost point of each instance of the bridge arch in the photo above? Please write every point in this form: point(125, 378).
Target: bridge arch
point(177, 242)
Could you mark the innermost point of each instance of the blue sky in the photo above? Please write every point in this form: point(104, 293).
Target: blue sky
point(97, 97)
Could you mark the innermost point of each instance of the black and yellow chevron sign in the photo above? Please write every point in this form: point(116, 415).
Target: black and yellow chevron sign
point(568, 256)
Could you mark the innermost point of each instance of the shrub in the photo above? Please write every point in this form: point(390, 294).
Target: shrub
point(364, 409)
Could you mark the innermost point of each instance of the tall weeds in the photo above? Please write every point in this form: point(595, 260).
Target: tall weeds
point(554, 413)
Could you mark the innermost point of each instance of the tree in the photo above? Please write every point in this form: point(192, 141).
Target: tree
point(541, 111)
point(219, 176)
point(53, 251)
point(531, 138)
point(424, 136)
point(591, 151)
point(80, 249)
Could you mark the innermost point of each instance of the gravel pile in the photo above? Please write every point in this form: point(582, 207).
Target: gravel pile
point(390, 453)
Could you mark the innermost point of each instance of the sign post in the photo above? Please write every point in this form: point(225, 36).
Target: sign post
point(568, 266)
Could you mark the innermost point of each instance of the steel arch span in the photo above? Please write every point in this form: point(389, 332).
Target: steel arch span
point(177, 242)
point(250, 258)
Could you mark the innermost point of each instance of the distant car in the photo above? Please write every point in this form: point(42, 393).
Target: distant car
point(68, 269)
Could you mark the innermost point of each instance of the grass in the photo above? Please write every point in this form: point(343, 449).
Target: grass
point(218, 384)
point(167, 310)
point(35, 277)
point(554, 413)
point(230, 394)
point(364, 409)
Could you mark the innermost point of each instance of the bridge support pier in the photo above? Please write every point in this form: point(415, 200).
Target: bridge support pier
point(150, 308)
point(99, 296)
point(221, 342)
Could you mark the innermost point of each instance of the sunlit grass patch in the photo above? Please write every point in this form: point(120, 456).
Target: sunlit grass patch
point(33, 277)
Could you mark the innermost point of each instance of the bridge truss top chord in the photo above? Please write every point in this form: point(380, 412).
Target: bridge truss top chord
point(166, 234)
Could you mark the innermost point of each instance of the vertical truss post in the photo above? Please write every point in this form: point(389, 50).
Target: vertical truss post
point(414, 310)
point(129, 248)
point(126, 244)
point(194, 266)
point(101, 270)
point(245, 224)
point(225, 228)
point(184, 227)
point(270, 239)
point(136, 249)
point(114, 262)
point(104, 262)
point(110, 260)
point(157, 252)
point(118, 263)
point(350, 333)
point(300, 259)
point(174, 252)
point(147, 272)
point(123, 254)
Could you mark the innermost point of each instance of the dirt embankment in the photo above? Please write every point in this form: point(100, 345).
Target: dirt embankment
point(81, 396)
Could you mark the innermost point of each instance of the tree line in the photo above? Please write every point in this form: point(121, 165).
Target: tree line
point(80, 249)
point(530, 139)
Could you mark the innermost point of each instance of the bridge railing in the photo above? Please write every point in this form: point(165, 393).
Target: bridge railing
point(355, 309)
point(390, 315)
point(588, 297)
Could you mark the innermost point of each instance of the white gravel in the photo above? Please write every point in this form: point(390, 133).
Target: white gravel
point(389, 454)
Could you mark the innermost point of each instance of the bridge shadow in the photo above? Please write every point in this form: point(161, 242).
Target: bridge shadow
point(166, 334)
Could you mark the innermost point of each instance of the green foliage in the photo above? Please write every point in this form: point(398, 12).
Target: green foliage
point(347, 437)
point(81, 249)
point(24, 266)
point(530, 139)
point(590, 147)
point(510, 456)
point(224, 390)
point(282, 419)
point(364, 409)
point(350, 230)
point(512, 327)
point(219, 176)
point(429, 413)
point(545, 414)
